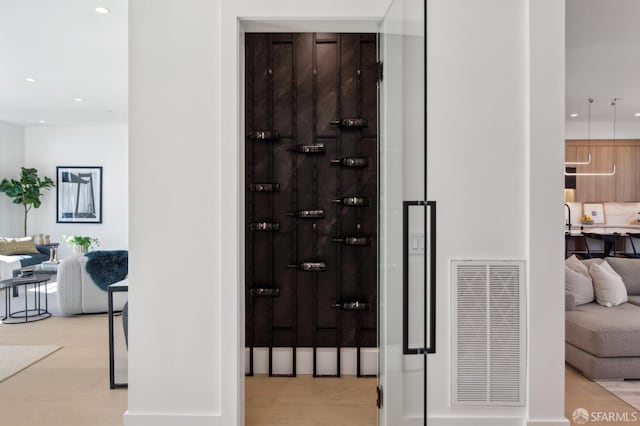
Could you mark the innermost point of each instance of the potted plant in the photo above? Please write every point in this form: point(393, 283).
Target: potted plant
point(26, 191)
point(81, 244)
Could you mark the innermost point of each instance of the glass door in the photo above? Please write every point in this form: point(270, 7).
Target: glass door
point(406, 219)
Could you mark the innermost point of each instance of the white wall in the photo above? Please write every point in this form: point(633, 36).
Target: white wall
point(477, 159)
point(183, 367)
point(493, 66)
point(107, 146)
point(175, 349)
point(495, 112)
point(11, 159)
point(545, 131)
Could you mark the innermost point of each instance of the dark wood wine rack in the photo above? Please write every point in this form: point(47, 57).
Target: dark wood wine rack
point(304, 91)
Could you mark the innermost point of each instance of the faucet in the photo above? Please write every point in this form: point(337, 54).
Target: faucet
point(568, 224)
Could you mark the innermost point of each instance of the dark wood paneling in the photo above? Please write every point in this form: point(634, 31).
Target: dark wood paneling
point(283, 118)
point(295, 85)
point(305, 118)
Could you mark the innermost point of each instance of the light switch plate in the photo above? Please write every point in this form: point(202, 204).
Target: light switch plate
point(416, 243)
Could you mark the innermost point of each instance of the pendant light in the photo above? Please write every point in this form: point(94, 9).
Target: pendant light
point(614, 102)
point(610, 173)
point(584, 163)
point(579, 163)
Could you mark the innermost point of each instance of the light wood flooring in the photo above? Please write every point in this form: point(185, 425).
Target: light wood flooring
point(583, 393)
point(71, 386)
point(305, 401)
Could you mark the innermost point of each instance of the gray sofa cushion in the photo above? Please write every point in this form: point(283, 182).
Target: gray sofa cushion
point(589, 262)
point(604, 332)
point(625, 367)
point(570, 301)
point(629, 271)
point(635, 300)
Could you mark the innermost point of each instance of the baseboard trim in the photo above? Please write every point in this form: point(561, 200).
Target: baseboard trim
point(475, 421)
point(139, 419)
point(553, 422)
point(493, 421)
point(146, 419)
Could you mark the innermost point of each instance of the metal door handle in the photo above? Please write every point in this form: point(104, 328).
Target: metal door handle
point(429, 283)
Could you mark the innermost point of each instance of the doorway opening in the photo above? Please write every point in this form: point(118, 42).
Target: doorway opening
point(311, 255)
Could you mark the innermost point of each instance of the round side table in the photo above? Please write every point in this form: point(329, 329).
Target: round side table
point(37, 312)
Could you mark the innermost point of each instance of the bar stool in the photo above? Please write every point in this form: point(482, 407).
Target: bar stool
point(573, 240)
point(631, 236)
point(610, 242)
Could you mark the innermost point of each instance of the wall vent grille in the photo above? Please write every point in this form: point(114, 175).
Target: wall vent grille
point(488, 332)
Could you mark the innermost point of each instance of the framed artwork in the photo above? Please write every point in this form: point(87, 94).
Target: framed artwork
point(595, 210)
point(79, 194)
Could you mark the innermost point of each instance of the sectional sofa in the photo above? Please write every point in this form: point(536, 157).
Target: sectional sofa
point(78, 293)
point(16, 253)
point(603, 342)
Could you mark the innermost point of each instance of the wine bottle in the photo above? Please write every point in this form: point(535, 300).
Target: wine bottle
point(308, 214)
point(351, 162)
point(353, 241)
point(310, 266)
point(352, 306)
point(352, 201)
point(309, 149)
point(264, 135)
point(270, 292)
point(264, 187)
point(350, 122)
point(264, 226)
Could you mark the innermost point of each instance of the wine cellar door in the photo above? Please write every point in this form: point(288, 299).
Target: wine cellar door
point(311, 196)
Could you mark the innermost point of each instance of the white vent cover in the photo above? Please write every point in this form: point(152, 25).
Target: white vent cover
point(488, 332)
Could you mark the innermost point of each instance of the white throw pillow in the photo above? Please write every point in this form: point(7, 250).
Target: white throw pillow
point(578, 285)
point(576, 265)
point(608, 286)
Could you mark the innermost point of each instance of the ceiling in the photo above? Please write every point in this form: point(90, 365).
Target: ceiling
point(72, 52)
point(603, 59)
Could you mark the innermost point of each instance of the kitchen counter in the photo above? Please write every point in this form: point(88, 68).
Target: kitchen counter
point(634, 225)
point(602, 229)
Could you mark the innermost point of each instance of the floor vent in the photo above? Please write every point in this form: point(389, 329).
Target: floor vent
point(488, 332)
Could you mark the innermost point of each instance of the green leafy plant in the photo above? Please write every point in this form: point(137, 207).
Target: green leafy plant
point(78, 240)
point(26, 191)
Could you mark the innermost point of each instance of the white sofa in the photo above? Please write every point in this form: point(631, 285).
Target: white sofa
point(78, 294)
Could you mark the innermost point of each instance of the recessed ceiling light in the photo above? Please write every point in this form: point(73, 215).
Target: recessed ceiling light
point(102, 10)
point(574, 115)
point(637, 114)
point(30, 79)
point(78, 99)
point(42, 122)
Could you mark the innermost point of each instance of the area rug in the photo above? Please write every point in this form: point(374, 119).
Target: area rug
point(627, 390)
point(14, 358)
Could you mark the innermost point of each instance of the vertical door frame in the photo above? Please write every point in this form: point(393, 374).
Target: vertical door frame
point(234, 24)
